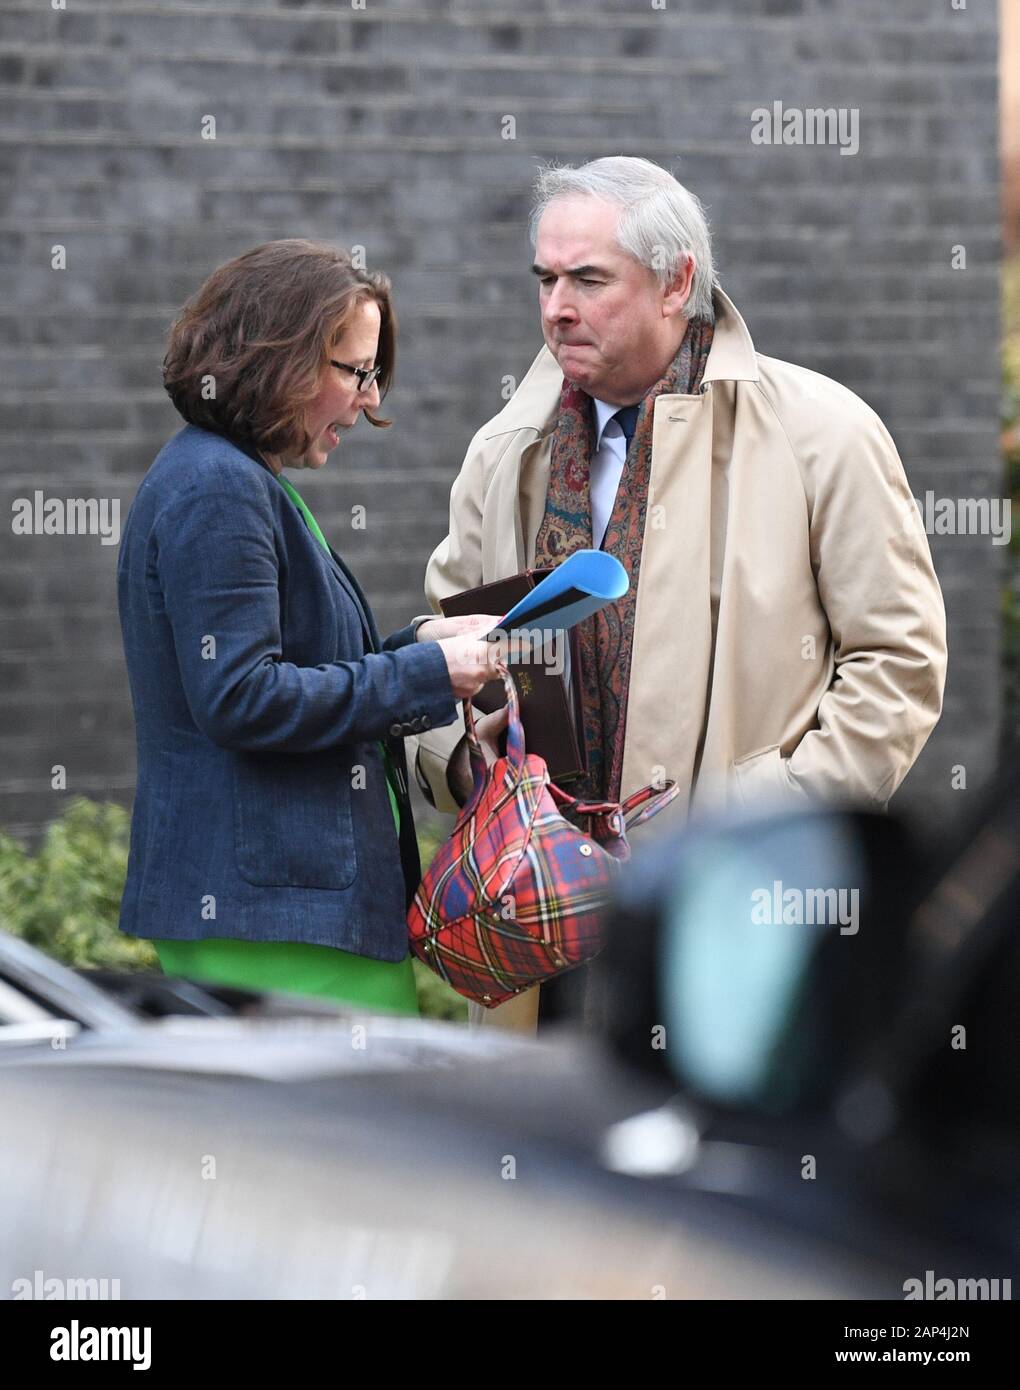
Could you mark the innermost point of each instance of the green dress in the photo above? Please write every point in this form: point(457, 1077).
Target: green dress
point(299, 967)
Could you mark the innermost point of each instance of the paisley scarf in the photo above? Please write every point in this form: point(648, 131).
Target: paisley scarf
point(606, 639)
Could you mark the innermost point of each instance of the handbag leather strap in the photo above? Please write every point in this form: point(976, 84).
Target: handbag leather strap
point(647, 802)
point(515, 749)
point(651, 799)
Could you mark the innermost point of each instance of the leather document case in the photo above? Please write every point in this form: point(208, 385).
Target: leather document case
point(550, 700)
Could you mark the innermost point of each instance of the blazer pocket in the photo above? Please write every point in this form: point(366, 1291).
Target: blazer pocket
point(293, 821)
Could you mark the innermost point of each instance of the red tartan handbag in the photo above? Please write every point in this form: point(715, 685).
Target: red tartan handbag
point(513, 897)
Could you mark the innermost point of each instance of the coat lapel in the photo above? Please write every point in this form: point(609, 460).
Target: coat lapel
point(672, 648)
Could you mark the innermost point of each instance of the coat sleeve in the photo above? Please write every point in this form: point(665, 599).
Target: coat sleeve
point(884, 606)
point(456, 564)
point(218, 572)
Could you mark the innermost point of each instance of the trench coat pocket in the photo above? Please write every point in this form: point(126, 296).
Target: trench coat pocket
point(762, 776)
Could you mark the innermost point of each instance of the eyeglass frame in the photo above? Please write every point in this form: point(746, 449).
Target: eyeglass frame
point(367, 376)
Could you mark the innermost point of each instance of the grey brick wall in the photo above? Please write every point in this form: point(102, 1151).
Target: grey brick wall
point(383, 126)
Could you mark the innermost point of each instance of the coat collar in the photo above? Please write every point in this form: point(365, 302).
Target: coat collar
point(534, 405)
point(732, 356)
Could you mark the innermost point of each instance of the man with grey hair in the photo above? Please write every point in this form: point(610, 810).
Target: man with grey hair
point(783, 637)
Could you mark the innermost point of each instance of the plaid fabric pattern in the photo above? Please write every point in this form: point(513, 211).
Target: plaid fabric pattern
point(514, 897)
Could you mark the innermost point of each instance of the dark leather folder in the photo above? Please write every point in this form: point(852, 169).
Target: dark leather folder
point(550, 705)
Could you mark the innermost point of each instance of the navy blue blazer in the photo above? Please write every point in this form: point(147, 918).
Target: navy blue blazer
point(261, 690)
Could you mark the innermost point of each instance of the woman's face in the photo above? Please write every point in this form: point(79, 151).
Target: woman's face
point(338, 403)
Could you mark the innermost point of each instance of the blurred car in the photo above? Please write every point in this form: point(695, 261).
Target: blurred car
point(42, 999)
point(780, 1109)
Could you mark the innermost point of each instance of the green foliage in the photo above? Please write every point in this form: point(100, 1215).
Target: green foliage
point(65, 898)
point(435, 999)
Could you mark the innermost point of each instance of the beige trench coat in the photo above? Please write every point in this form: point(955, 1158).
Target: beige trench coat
point(789, 634)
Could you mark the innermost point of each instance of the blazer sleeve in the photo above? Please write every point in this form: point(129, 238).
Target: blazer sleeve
point(885, 610)
point(218, 571)
point(402, 638)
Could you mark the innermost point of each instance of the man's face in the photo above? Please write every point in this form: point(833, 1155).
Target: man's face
point(611, 326)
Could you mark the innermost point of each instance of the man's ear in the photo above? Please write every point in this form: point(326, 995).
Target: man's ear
point(678, 292)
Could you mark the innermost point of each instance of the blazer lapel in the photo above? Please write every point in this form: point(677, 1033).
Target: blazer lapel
point(343, 574)
point(360, 602)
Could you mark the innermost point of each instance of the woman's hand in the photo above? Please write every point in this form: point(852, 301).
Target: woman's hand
point(471, 625)
point(459, 777)
point(471, 664)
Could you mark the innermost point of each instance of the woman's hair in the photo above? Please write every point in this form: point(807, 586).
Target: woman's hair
point(662, 225)
point(246, 354)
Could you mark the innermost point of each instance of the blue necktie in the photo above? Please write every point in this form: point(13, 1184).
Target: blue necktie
point(626, 416)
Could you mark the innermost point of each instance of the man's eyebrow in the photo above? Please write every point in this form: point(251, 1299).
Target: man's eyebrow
point(575, 270)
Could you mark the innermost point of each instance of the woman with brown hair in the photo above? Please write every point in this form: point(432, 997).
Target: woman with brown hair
point(272, 844)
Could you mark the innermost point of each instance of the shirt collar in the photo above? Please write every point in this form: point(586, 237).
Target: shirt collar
point(604, 412)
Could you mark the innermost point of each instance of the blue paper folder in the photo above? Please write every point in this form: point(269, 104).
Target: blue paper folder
point(585, 582)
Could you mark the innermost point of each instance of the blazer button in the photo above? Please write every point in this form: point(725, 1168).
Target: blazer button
point(396, 730)
point(416, 726)
point(426, 722)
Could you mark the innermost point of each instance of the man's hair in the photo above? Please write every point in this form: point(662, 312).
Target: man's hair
point(246, 355)
point(662, 225)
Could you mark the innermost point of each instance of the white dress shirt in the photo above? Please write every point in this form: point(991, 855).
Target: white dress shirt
point(606, 467)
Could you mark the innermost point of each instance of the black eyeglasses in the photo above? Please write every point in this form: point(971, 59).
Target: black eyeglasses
point(366, 375)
